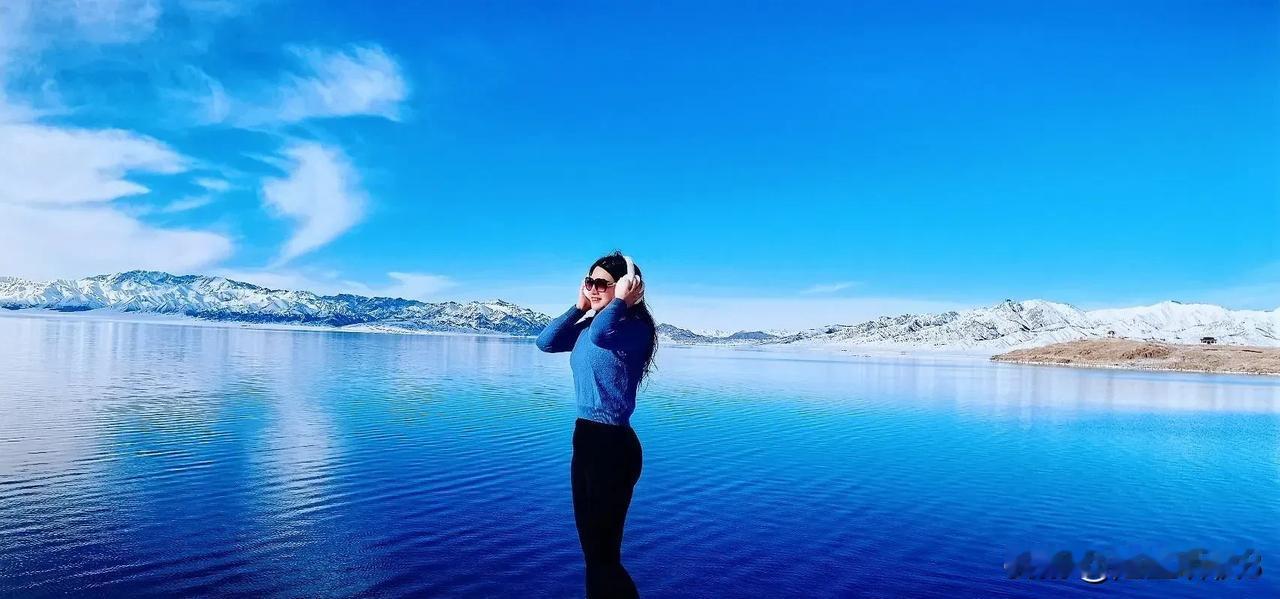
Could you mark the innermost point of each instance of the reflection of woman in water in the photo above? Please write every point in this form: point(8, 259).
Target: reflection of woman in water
point(612, 351)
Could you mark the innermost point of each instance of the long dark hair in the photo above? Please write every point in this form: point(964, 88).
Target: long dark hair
point(616, 266)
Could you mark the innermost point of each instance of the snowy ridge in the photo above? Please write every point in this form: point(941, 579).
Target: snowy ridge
point(1014, 325)
point(1006, 325)
point(1033, 323)
point(217, 298)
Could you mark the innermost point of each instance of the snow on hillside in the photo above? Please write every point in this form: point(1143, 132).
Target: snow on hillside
point(1031, 323)
point(1187, 323)
point(217, 298)
point(993, 329)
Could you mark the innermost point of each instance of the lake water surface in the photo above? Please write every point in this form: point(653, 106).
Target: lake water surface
point(158, 460)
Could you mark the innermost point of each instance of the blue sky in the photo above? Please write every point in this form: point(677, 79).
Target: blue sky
point(767, 164)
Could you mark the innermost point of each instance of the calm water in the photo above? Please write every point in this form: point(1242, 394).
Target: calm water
point(157, 460)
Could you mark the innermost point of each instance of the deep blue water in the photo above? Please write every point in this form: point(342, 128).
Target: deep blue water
point(161, 460)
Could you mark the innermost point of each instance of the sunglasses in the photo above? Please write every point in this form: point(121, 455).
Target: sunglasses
point(597, 284)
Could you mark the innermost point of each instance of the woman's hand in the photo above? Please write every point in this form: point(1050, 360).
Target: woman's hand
point(584, 303)
point(630, 288)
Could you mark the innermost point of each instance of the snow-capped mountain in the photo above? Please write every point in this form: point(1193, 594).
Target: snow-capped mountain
point(674, 333)
point(1031, 323)
point(1006, 325)
point(217, 298)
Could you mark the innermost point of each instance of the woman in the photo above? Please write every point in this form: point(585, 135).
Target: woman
point(612, 351)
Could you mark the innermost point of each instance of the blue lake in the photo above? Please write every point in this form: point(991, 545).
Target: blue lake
point(145, 459)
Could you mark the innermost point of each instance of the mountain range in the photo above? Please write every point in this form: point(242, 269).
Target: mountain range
point(1006, 325)
point(218, 298)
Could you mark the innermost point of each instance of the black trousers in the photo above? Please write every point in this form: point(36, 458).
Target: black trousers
point(605, 467)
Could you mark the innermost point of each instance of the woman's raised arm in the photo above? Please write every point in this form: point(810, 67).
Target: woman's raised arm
point(610, 331)
point(561, 333)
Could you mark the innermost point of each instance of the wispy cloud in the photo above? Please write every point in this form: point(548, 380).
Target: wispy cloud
point(32, 24)
point(110, 21)
point(292, 280)
point(66, 177)
point(406, 285)
point(212, 184)
point(54, 217)
point(355, 80)
point(53, 242)
point(185, 204)
point(18, 51)
point(57, 182)
point(828, 287)
point(63, 165)
point(321, 194)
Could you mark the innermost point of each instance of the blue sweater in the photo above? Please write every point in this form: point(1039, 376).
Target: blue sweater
point(607, 360)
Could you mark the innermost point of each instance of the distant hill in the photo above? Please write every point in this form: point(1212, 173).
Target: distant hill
point(218, 298)
point(1030, 323)
point(1148, 355)
point(1006, 325)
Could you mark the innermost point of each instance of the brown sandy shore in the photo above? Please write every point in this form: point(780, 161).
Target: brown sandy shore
point(1151, 355)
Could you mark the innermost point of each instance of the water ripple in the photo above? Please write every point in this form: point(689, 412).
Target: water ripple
point(147, 460)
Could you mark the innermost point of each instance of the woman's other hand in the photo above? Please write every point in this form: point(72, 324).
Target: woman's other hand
point(630, 288)
point(584, 303)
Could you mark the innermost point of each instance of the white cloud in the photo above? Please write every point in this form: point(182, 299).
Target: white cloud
point(321, 194)
point(63, 178)
point(291, 280)
point(212, 184)
point(829, 287)
point(32, 25)
point(197, 96)
point(64, 165)
point(117, 21)
point(55, 183)
point(43, 242)
point(31, 29)
point(407, 285)
point(351, 81)
point(356, 80)
point(110, 21)
point(185, 204)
